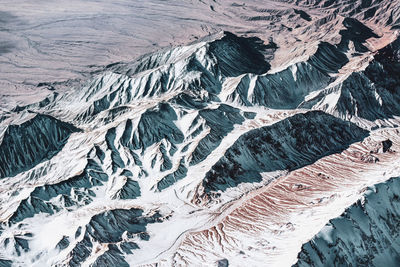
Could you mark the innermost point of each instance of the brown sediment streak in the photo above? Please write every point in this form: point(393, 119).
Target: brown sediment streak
point(276, 204)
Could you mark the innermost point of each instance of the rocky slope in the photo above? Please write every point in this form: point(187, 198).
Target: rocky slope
point(365, 234)
point(231, 149)
point(39, 138)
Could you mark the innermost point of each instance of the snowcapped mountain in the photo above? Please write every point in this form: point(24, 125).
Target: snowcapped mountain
point(232, 149)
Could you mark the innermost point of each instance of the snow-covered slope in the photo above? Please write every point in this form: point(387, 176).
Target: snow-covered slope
point(226, 150)
point(288, 144)
point(39, 137)
point(365, 93)
point(365, 234)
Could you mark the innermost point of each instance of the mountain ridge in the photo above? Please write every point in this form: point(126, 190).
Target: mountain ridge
point(225, 150)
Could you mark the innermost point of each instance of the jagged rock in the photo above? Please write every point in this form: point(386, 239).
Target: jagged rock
point(108, 228)
point(369, 158)
point(285, 89)
point(25, 145)
point(289, 144)
point(223, 263)
point(386, 145)
point(148, 132)
point(365, 94)
point(64, 243)
point(356, 32)
point(70, 193)
point(5, 263)
point(170, 179)
point(328, 58)
point(366, 234)
point(220, 122)
point(130, 190)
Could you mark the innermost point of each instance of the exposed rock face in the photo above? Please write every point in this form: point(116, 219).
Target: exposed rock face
point(117, 230)
point(231, 150)
point(68, 194)
point(286, 145)
point(364, 93)
point(147, 132)
point(365, 234)
point(25, 145)
point(386, 145)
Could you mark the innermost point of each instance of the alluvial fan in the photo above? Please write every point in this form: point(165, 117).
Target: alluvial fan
point(275, 143)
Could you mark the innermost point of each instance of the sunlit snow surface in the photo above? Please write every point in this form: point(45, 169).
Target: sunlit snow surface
point(213, 149)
